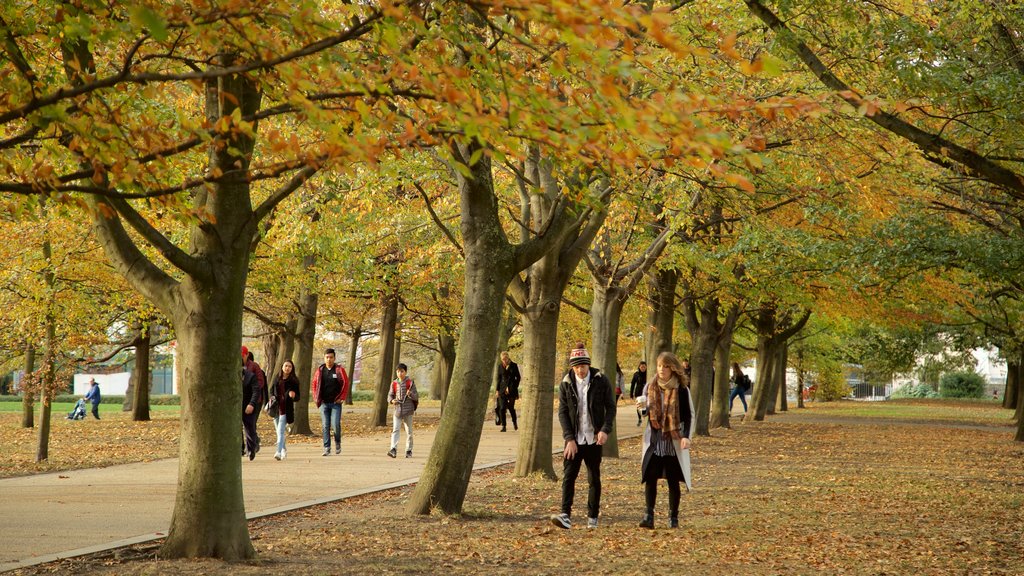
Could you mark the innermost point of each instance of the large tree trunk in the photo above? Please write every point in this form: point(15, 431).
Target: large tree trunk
point(540, 332)
point(444, 363)
point(663, 312)
point(388, 321)
point(778, 373)
point(703, 325)
point(605, 313)
point(28, 391)
point(1020, 418)
point(767, 354)
point(305, 330)
point(353, 354)
point(490, 264)
point(140, 376)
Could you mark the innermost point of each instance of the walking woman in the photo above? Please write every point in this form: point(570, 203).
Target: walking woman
point(740, 385)
point(667, 436)
point(286, 393)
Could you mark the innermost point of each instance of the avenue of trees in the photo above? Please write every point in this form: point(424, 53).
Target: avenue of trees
point(805, 183)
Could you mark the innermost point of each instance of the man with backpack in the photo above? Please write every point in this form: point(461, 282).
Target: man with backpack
point(404, 398)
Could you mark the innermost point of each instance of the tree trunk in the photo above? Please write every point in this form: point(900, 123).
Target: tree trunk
point(140, 376)
point(209, 513)
point(305, 330)
point(49, 373)
point(388, 322)
point(800, 378)
point(490, 263)
point(771, 338)
point(773, 391)
point(540, 332)
point(720, 409)
point(28, 392)
point(703, 325)
point(1013, 372)
point(353, 354)
point(444, 363)
point(605, 313)
point(663, 312)
point(783, 362)
point(1019, 415)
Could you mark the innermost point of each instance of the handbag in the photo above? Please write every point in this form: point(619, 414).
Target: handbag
point(497, 413)
point(272, 408)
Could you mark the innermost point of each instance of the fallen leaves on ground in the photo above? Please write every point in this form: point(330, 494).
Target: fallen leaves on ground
point(775, 497)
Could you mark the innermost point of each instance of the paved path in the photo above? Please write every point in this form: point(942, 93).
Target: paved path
point(58, 515)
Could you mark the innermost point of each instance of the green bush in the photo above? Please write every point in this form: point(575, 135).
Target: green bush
point(831, 385)
point(362, 395)
point(914, 391)
point(962, 385)
point(156, 400)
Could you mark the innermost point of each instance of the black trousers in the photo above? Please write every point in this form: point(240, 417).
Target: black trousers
point(507, 405)
point(252, 439)
point(589, 454)
point(96, 411)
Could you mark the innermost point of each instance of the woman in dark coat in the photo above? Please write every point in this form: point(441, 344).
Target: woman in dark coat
point(282, 404)
point(667, 436)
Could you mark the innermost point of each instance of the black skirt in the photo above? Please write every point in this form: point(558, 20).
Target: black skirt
point(662, 467)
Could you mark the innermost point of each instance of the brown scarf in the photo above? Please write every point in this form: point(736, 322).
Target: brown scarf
point(664, 413)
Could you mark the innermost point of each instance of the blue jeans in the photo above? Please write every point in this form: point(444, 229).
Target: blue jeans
point(281, 425)
point(737, 391)
point(330, 415)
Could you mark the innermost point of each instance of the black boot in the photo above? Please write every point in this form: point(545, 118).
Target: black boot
point(673, 522)
point(648, 521)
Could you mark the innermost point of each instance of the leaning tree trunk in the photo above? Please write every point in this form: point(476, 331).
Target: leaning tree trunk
point(388, 321)
point(305, 331)
point(776, 378)
point(490, 263)
point(140, 376)
point(761, 396)
point(783, 363)
point(663, 312)
point(28, 391)
point(353, 354)
point(605, 314)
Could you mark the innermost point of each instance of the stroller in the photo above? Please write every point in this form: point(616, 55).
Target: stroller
point(79, 412)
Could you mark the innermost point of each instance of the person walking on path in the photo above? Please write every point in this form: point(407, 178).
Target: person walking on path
point(261, 380)
point(666, 451)
point(620, 382)
point(405, 399)
point(281, 405)
point(636, 388)
point(740, 385)
point(586, 412)
point(330, 390)
point(93, 396)
point(251, 401)
point(508, 390)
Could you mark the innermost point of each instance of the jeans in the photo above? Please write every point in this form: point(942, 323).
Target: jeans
point(589, 454)
point(398, 421)
point(737, 391)
point(281, 424)
point(330, 415)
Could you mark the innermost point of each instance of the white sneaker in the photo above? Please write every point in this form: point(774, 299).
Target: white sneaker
point(561, 520)
point(277, 455)
point(284, 454)
point(327, 451)
point(591, 522)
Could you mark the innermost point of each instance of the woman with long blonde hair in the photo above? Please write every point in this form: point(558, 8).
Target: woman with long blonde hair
point(667, 436)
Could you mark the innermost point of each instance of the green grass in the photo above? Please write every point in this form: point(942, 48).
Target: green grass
point(987, 412)
point(62, 408)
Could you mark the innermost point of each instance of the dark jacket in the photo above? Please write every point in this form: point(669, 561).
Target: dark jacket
point(509, 378)
point(285, 403)
point(250, 390)
point(600, 404)
point(636, 386)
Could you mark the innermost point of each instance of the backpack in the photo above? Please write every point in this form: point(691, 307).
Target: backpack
point(747, 384)
point(408, 386)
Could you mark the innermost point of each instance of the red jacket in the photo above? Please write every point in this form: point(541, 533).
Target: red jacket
point(342, 396)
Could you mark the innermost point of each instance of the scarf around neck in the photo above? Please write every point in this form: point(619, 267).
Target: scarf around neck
point(663, 406)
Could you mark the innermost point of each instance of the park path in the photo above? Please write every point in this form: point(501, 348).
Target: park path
point(76, 512)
